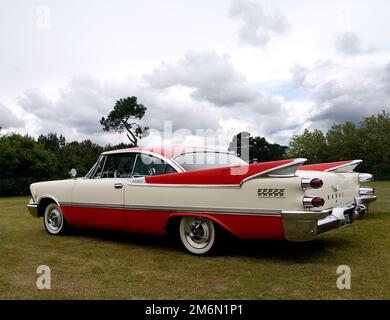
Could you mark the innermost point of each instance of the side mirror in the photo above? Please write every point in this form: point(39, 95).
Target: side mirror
point(73, 173)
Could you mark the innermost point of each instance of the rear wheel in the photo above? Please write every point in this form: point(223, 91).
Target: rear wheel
point(53, 220)
point(197, 234)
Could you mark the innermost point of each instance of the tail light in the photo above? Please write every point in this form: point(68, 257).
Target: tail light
point(315, 183)
point(310, 202)
point(365, 177)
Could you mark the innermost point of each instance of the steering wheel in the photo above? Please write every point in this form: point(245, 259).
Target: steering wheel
point(152, 171)
point(121, 172)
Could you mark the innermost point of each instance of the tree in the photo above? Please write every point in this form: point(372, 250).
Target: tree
point(78, 155)
point(52, 141)
point(311, 145)
point(375, 144)
point(260, 149)
point(23, 161)
point(122, 118)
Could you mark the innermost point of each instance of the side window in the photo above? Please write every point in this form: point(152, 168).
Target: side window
point(118, 165)
point(147, 165)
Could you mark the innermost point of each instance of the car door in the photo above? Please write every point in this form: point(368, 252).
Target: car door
point(138, 196)
point(99, 200)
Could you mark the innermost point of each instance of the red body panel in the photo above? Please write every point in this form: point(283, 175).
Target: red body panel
point(324, 166)
point(154, 222)
point(109, 218)
point(223, 175)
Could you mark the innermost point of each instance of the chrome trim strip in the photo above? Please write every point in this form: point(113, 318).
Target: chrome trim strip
point(93, 205)
point(238, 211)
point(248, 211)
point(146, 184)
point(289, 175)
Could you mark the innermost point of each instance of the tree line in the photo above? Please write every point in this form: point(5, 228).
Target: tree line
point(24, 160)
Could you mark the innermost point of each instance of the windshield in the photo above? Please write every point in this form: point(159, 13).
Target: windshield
point(207, 160)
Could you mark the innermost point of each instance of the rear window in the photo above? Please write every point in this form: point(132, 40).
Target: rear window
point(207, 160)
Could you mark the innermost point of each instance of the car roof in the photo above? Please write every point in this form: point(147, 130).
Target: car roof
point(169, 152)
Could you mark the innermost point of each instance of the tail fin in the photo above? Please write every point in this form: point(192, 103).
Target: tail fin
point(338, 167)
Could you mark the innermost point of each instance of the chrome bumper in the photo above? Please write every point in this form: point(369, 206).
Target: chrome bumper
point(306, 225)
point(33, 209)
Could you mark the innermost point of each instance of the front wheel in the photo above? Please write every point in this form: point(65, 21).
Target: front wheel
point(54, 220)
point(197, 234)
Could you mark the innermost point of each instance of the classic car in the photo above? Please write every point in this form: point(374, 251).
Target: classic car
point(197, 193)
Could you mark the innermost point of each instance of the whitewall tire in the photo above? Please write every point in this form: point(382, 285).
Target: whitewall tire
point(197, 234)
point(54, 220)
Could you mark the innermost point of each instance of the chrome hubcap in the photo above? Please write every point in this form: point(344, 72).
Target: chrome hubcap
point(54, 220)
point(197, 232)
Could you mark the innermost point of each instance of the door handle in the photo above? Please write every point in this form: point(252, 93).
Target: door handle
point(118, 185)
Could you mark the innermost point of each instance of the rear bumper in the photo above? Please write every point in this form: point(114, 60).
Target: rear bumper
point(33, 208)
point(306, 225)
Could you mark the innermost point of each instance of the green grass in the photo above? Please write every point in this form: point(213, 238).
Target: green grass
point(91, 264)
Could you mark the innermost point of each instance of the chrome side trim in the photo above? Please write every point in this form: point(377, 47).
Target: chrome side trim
point(195, 209)
point(146, 184)
point(93, 205)
point(289, 175)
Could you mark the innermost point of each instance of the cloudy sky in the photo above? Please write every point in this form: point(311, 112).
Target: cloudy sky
point(209, 68)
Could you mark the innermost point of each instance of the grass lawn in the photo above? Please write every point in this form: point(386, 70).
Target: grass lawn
point(92, 264)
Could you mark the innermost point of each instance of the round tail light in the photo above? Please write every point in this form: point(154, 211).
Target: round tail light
point(317, 202)
point(316, 183)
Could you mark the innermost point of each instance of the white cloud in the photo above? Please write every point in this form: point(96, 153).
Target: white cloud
point(214, 79)
point(349, 44)
point(344, 93)
point(9, 119)
point(258, 25)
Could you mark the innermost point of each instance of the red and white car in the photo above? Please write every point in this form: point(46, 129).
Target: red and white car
point(196, 192)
